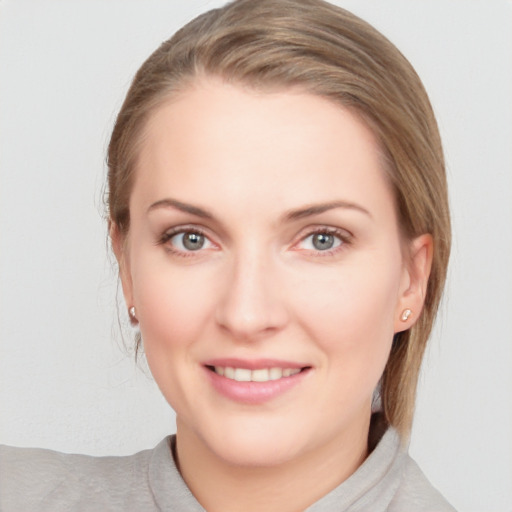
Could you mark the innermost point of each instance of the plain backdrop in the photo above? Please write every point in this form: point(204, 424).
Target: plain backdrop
point(65, 380)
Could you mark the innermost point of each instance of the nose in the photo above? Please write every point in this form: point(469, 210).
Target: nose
point(252, 304)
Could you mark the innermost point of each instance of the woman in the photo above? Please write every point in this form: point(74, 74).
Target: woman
point(278, 210)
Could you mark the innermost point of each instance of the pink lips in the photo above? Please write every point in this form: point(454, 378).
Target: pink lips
point(253, 364)
point(250, 392)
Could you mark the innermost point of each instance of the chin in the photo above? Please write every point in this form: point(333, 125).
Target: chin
point(257, 452)
point(257, 443)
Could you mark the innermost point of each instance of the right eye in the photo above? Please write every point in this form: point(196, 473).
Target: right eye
point(188, 241)
point(322, 241)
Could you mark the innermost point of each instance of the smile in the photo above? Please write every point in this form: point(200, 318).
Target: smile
point(258, 375)
point(254, 381)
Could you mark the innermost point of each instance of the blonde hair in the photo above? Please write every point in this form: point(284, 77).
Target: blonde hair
point(327, 51)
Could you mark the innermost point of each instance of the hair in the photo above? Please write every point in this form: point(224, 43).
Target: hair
point(322, 49)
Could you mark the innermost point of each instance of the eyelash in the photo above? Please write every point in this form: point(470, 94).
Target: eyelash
point(168, 235)
point(344, 237)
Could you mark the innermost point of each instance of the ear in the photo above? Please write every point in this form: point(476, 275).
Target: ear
point(414, 283)
point(119, 246)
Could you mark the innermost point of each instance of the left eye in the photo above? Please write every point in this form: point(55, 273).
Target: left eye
point(190, 241)
point(322, 241)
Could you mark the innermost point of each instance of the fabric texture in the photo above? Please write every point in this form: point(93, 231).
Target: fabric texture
point(38, 480)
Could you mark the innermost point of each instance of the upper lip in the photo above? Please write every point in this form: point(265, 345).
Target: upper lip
point(253, 364)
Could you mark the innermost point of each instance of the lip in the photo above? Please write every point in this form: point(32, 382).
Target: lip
point(254, 393)
point(254, 364)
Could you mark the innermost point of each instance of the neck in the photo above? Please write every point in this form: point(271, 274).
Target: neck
point(290, 486)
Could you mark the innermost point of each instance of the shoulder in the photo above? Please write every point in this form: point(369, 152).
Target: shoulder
point(417, 493)
point(39, 480)
point(387, 481)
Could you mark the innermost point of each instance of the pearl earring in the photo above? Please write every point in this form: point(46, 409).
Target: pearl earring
point(405, 315)
point(131, 311)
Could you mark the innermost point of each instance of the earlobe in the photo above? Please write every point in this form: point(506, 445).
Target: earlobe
point(412, 296)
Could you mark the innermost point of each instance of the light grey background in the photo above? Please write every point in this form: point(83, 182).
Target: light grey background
point(64, 381)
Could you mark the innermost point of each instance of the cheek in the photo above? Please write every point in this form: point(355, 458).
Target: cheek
point(173, 306)
point(351, 315)
point(173, 303)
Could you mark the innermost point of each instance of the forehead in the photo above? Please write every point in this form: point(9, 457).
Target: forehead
point(225, 142)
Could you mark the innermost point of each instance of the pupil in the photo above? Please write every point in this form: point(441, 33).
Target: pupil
point(193, 241)
point(323, 241)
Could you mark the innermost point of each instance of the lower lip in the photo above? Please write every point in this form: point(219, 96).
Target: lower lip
point(254, 392)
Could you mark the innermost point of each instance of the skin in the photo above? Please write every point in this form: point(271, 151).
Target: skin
point(259, 288)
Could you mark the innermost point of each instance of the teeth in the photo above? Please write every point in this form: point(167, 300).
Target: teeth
point(242, 375)
point(259, 375)
point(275, 373)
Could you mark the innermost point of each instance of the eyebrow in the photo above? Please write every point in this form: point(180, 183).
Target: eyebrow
point(291, 215)
point(184, 207)
point(316, 209)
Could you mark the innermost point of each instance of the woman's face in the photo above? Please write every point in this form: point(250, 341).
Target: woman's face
point(266, 268)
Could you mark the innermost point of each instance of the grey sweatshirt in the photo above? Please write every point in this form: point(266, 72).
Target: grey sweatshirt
point(37, 480)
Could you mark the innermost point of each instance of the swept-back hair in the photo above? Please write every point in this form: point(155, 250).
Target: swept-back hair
point(273, 45)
